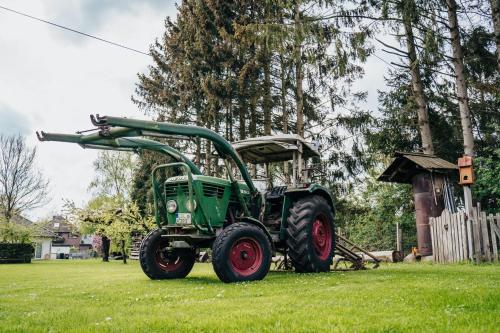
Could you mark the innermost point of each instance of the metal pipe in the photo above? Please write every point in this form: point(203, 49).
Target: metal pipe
point(94, 141)
point(223, 147)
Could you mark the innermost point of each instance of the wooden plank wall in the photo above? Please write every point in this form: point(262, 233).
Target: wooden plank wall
point(456, 238)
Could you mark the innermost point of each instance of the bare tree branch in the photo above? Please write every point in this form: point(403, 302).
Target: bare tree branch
point(22, 186)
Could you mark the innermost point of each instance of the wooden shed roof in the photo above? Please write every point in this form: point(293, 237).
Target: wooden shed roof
point(405, 165)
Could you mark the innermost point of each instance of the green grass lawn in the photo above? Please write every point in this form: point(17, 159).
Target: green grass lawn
point(83, 296)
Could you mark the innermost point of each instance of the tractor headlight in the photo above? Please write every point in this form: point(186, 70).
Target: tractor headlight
point(171, 206)
point(188, 205)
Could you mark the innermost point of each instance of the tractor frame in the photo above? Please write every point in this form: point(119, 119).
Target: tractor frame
point(243, 226)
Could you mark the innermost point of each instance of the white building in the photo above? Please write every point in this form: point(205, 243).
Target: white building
point(42, 242)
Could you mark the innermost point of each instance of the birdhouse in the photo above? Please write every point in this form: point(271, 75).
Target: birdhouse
point(465, 170)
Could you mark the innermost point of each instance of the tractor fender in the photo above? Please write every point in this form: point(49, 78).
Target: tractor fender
point(259, 224)
point(293, 195)
point(296, 193)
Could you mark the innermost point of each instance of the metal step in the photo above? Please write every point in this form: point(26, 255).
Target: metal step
point(345, 249)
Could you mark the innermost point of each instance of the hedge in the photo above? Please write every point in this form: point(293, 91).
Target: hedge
point(15, 253)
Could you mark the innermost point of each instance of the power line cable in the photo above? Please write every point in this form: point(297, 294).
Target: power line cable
point(73, 30)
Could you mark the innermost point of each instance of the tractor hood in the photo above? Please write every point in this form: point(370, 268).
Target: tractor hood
point(209, 180)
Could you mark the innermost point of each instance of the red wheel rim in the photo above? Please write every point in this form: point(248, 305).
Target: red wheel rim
point(322, 237)
point(166, 261)
point(245, 256)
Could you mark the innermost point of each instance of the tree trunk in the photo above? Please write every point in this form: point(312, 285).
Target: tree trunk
point(231, 135)
point(495, 13)
point(242, 110)
point(124, 254)
point(298, 71)
point(208, 160)
point(418, 89)
point(462, 96)
point(227, 124)
point(197, 156)
point(253, 110)
point(284, 111)
point(267, 93)
point(215, 159)
point(105, 248)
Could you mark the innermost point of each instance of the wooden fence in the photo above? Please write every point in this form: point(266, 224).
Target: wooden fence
point(457, 238)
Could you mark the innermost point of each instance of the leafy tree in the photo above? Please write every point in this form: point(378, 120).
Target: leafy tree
point(487, 187)
point(246, 68)
point(14, 233)
point(369, 218)
point(142, 193)
point(22, 186)
point(110, 218)
point(114, 170)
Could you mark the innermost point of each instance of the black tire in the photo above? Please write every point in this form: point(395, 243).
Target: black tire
point(307, 253)
point(241, 252)
point(159, 264)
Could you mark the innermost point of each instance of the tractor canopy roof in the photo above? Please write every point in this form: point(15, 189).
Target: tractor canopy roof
point(275, 148)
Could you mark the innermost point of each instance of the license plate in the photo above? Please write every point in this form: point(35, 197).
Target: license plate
point(183, 218)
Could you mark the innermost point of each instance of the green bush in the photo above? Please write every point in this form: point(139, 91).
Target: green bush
point(487, 188)
point(14, 233)
point(368, 217)
point(15, 253)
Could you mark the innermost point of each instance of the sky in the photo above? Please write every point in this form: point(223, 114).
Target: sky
point(52, 79)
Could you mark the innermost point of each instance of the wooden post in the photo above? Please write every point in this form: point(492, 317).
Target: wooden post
point(468, 200)
point(463, 232)
point(453, 234)
point(477, 236)
point(437, 232)
point(432, 224)
point(486, 239)
point(441, 239)
point(449, 235)
point(399, 241)
point(494, 233)
point(470, 237)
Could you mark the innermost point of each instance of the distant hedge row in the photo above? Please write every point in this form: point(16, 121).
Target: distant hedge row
point(15, 253)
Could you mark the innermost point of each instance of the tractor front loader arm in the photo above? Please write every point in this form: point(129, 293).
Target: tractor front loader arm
point(95, 141)
point(153, 128)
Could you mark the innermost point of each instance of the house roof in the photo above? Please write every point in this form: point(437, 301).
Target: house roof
point(275, 148)
point(60, 225)
point(405, 165)
point(41, 231)
point(21, 220)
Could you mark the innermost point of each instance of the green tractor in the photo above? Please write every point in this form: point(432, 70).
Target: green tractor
point(245, 227)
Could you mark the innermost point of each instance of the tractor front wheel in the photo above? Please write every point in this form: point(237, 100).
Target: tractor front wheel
point(159, 262)
point(311, 234)
point(241, 252)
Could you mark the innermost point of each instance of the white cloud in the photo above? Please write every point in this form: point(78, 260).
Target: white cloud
point(53, 84)
point(13, 122)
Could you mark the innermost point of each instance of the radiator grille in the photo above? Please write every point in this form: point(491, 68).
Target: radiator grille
point(210, 190)
point(171, 189)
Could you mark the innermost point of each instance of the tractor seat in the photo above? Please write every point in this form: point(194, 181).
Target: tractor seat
point(276, 192)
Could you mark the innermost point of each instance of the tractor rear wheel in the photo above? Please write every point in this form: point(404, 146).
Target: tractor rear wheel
point(311, 234)
point(158, 262)
point(241, 252)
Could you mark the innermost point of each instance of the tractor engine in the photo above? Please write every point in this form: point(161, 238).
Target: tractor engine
point(210, 202)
